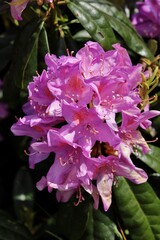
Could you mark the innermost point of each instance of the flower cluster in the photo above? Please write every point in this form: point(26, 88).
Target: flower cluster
point(85, 110)
point(147, 19)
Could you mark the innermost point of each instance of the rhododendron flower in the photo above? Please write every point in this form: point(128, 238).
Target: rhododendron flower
point(72, 111)
point(147, 19)
point(17, 7)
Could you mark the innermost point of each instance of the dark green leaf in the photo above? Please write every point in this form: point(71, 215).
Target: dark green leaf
point(139, 209)
point(24, 61)
point(5, 55)
point(94, 21)
point(108, 16)
point(122, 25)
point(23, 194)
point(10, 229)
point(72, 220)
point(154, 181)
point(6, 45)
point(43, 48)
point(99, 226)
point(152, 45)
point(152, 159)
point(29, 69)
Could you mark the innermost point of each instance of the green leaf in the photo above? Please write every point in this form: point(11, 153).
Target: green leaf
point(152, 159)
point(82, 35)
point(122, 25)
point(94, 21)
point(30, 49)
point(110, 17)
point(43, 48)
point(153, 45)
point(10, 229)
point(71, 220)
point(139, 209)
point(100, 226)
point(23, 195)
point(6, 45)
point(24, 61)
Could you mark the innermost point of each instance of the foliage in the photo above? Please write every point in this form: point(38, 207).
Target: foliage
point(62, 27)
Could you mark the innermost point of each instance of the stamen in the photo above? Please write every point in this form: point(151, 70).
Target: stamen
point(63, 163)
point(29, 154)
point(79, 196)
point(37, 73)
point(16, 118)
point(154, 140)
point(69, 53)
point(148, 101)
point(92, 129)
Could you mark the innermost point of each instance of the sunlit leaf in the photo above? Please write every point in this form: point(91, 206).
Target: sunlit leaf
point(139, 209)
point(82, 35)
point(101, 17)
point(94, 21)
point(100, 226)
point(152, 159)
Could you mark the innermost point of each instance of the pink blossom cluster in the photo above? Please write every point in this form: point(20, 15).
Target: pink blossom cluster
point(147, 19)
point(85, 110)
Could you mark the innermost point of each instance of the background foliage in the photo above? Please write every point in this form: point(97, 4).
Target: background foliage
point(25, 212)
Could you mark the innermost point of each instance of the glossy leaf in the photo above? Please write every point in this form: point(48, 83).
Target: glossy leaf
point(82, 35)
point(100, 226)
point(122, 25)
point(10, 229)
point(139, 209)
point(152, 159)
point(108, 16)
point(94, 21)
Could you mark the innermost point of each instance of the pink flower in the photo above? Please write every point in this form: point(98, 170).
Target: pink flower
point(17, 7)
point(72, 111)
point(110, 167)
point(129, 133)
point(147, 19)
